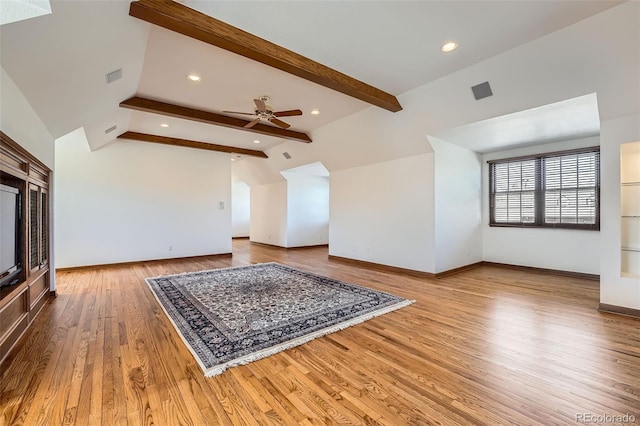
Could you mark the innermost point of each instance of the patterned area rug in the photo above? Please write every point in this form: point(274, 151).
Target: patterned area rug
point(233, 316)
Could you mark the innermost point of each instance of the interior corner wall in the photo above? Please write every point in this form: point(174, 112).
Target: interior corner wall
point(19, 121)
point(132, 201)
point(458, 206)
point(307, 210)
point(269, 214)
point(571, 250)
point(384, 213)
point(615, 289)
point(240, 210)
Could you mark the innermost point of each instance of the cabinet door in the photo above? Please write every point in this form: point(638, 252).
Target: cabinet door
point(38, 228)
point(43, 231)
point(34, 227)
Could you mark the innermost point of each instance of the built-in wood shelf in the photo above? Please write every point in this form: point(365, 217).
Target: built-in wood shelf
point(21, 302)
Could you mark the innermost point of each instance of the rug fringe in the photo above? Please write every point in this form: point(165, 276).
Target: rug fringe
point(219, 369)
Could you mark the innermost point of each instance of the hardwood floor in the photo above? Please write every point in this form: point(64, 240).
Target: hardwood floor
point(486, 346)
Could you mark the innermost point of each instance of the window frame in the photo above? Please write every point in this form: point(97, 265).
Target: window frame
point(539, 191)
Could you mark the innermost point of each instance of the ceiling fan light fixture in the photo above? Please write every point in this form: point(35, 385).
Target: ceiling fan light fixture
point(194, 78)
point(449, 46)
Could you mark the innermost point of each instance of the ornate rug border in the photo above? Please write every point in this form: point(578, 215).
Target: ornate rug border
point(221, 368)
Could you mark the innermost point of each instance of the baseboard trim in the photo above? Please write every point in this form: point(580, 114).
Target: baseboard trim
point(619, 310)
point(571, 274)
point(382, 268)
point(239, 238)
point(288, 248)
point(459, 269)
point(140, 262)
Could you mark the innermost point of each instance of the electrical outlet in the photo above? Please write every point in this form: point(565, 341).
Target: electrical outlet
point(170, 248)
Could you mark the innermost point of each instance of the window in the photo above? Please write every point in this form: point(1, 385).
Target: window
point(559, 190)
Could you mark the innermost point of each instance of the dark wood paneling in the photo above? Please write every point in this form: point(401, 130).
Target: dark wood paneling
point(12, 338)
point(24, 171)
point(19, 152)
point(37, 288)
point(181, 19)
point(12, 312)
point(171, 110)
point(37, 305)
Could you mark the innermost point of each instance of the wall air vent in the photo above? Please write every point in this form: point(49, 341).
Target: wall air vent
point(482, 90)
point(110, 129)
point(286, 155)
point(114, 75)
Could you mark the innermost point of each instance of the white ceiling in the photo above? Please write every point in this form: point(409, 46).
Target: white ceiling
point(572, 118)
point(312, 169)
point(18, 10)
point(60, 60)
point(395, 45)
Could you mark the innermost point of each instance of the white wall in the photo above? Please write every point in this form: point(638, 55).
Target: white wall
point(269, 214)
point(131, 201)
point(384, 213)
point(307, 210)
point(615, 289)
point(458, 206)
point(21, 123)
point(591, 56)
point(563, 249)
point(240, 209)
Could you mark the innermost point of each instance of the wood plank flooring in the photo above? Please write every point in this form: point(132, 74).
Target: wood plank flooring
point(487, 346)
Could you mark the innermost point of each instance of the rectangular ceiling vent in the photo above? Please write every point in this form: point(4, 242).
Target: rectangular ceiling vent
point(110, 129)
point(482, 90)
point(286, 155)
point(114, 75)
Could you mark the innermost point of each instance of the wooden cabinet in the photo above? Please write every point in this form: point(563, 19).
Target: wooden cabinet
point(22, 299)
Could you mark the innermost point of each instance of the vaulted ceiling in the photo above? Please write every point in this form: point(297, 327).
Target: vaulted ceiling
point(60, 60)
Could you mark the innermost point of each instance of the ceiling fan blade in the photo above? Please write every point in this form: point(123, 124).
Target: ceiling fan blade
point(288, 113)
point(260, 105)
point(252, 123)
point(236, 112)
point(279, 123)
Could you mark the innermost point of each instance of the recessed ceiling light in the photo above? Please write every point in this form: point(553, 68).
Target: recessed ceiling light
point(315, 112)
point(164, 125)
point(233, 159)
point(194, 77)
point(449, 47)
point(256, 141)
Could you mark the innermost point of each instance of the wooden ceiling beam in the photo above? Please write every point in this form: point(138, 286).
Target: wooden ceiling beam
point(184, 20)
point(164, 140)
point(171, 110)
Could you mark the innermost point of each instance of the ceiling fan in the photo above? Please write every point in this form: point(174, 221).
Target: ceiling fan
point(266, 112)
